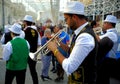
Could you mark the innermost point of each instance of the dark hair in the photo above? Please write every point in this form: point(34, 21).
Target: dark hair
point(70, 14)
point(113, 24)
point(33, 23)
point(93, 23)
point(28, 23)
point(80, 16)
point(15, 34)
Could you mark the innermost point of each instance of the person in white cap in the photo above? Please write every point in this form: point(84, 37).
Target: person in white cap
point(32, 36)
point(109, 63)
point(15, 53)
point(80, 65)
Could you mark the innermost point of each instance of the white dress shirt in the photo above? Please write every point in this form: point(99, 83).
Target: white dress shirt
point(113, 35)
point(7, 50)
point(3, 38)
point(84, 44)
point(22, 35)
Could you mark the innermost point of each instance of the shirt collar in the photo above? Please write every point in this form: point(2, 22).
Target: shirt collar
point(16, 37)
point(112, 29)
point(26, 27)
point(80, 28)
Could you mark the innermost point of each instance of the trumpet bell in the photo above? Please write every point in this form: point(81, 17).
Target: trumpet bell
point(43, 49)
point(32, 56)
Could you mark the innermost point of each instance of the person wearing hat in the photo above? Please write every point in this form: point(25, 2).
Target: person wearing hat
point(80, 66)
point(7, 37)
point(32, 36)
point(15, 53)
point(109, 64)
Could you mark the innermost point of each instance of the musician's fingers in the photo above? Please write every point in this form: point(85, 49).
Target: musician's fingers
point(52, 45)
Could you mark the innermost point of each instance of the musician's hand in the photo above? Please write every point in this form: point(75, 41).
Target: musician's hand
point(52, 46)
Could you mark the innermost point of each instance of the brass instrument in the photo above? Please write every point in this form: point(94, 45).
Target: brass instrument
point(97, 30)
point(43, 49)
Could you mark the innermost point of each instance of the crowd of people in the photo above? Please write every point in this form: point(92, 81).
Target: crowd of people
point(87, 57)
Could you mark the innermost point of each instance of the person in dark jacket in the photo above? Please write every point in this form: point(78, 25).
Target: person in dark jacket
point(80, 66)
point(31, 35)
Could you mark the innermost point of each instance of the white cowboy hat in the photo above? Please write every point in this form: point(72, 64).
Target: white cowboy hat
point(74, 7)
point(16, 28)
point(111, 18)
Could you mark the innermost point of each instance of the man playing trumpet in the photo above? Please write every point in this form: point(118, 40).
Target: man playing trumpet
point(80, 65)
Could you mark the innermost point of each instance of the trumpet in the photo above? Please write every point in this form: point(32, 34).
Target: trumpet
point(43, 49)
point(97, 30)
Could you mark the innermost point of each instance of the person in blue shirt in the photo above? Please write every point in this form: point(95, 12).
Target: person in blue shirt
point(65, 40)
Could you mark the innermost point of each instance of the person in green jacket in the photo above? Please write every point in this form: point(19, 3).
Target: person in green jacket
point(16, 53)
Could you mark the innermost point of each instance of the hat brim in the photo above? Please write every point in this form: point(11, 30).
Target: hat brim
point(73, 12)
point(109, 21)
point(14, 31)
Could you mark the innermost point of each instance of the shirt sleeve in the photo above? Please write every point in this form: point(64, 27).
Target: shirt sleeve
point(7, 51)
point(39, 39)
point(28, 44)
point(22, 34)
point(3, 39)
point(83, 46)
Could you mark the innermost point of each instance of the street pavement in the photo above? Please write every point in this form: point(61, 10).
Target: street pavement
point(28, 76)
point(38, 67)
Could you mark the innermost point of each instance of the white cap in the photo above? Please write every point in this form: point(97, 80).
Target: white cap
point(28, 18)
point(111, 18)
point(16, 28)
point(74, 7)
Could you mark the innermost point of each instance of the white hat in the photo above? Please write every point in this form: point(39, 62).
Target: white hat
point(111, 18)
point(16, 28)
point(74, 7)
point(28, 18)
